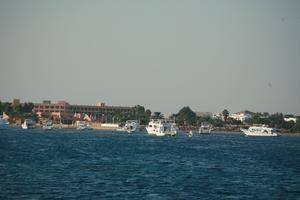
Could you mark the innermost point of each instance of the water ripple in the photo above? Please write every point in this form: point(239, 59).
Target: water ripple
point(65, 164)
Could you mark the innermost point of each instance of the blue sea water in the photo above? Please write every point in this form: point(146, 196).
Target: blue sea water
point(69, 164)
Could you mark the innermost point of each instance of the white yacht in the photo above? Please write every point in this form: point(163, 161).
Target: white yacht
point(82, 125)
point(260, 130)
point(161, 127)
point(130, 126)
point(205, 128)
point(28, 124)
point(47, 125)
point(3, 122)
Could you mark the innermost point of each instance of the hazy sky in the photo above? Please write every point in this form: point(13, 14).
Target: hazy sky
point(162, 54)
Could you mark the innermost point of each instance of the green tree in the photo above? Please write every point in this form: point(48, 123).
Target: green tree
point(296, 127)
point(148, 113)
point(17, 110)
point(31, 115)
point(216, 122)
point(27, 107)
point(138, 111)
point(186, 116)
point(225, 114)
point(157, 115)
point(7, 108)
point(277, 120)
point(147, 117)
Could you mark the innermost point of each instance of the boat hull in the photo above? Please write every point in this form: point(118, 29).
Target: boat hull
point(128, 130)
point(27, 127)
point(157, 133)
point(263, 134)
point(204, 131)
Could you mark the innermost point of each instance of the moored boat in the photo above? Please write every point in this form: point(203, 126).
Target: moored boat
point(83, 125)
point(28, 124)
point(161, 127)
point(130, 126)
point(47, 125)
point(260, 130)
point(205, 128)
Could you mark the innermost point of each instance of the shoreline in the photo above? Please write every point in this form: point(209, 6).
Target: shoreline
point(101, 128)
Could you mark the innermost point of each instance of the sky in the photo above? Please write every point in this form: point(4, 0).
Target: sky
point(209, 55)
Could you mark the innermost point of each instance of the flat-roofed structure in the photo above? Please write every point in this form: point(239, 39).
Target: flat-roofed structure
point(48, 107)
point(63, 108)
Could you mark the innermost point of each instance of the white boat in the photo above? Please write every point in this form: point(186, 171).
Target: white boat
point(205, 128)
point(47, 125)
point(82, 125)
point(260, 130)
point(130, 126)
point(3, 123)
point(28, 124)
point(161, 127)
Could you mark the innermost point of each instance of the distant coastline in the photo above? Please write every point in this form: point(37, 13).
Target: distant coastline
point(104, 127)
point(66, 115)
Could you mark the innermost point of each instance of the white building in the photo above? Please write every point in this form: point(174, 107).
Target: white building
point(218, 116)
point(242, 116)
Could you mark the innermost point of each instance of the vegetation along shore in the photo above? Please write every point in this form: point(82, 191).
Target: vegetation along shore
point(186, 119)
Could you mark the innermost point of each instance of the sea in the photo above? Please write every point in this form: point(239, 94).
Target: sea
point(71, 164)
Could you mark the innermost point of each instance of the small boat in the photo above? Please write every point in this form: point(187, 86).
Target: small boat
point(161, 127)
point(130, 126)
point(47, 125)
point(205, 128)
point(28, 124)
point(260, 130)
point(83, 125)
point(3, 122)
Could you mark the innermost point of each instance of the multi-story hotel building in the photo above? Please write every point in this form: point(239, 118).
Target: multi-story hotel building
point(66, 110)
